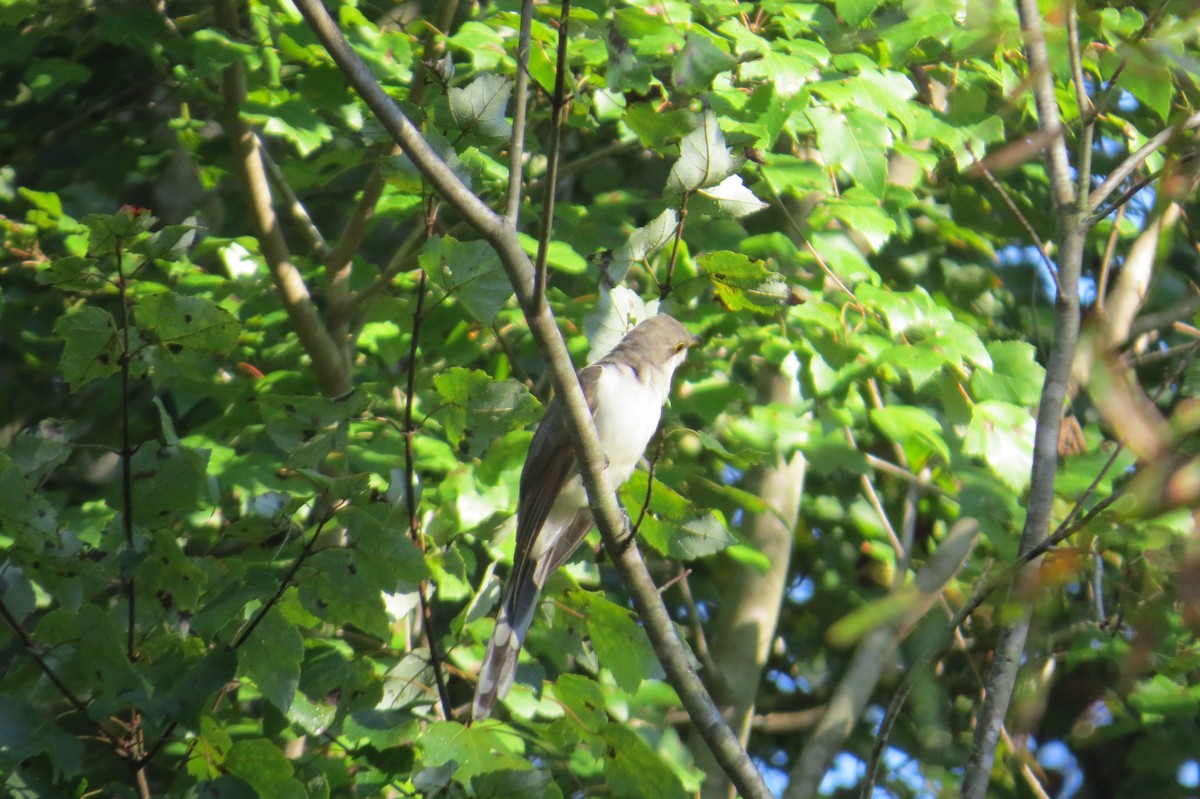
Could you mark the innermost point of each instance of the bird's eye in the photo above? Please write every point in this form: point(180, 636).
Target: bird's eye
point(681, 346)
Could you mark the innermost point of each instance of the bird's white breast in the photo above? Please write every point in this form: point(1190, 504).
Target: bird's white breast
point(628, 407)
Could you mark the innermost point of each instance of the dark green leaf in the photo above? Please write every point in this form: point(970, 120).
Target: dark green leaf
point(471, 271)
point(481, 410)
point(260, 763)
point(91, 348)
point(480, 106)
point(271, 658)
point(632, 768)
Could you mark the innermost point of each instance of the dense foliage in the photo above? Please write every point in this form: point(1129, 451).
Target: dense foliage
point(267, 395)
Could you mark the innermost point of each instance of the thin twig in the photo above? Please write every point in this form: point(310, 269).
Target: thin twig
point(1136, 159)
point(520, 105)
point(665, 289)
point(559, 111)
point(649, 484)
point(410, 485)
point(243, 634)
point(1136, 187)
point(1009, 203)
point(127, 457)
point(311, 232)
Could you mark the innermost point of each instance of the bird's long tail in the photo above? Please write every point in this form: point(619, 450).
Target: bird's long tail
point(500, 662)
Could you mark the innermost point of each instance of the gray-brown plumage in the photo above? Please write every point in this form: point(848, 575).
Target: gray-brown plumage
point(625, 391)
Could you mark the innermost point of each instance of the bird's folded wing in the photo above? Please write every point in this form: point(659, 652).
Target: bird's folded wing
point(550, 463)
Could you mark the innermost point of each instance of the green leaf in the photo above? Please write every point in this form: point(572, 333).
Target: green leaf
point(1015, 377)
point(654, 126)
point(181, 321)
point(260, 763)
point(699, 62)
point(632, 768)
point(91, 347)
point(732, 198)
point(309, 428)
point(471, 271)
point(400, 172)
point(700, 537)
point(26, 732)
point(337, 592)
point(620, 643)
point(704, 160)
point(169, 244)
point(559, 255)
point(510, 784)
point(167, 481)
point(641, 244)
point(854, 12)
point(72, 273)
point(108, 233)
point(860, 212)
point(409, 683)
point(476, 749)
point(584, 698)
point(48, 76)
point(914, 429)
point(742, 284)
point(856, 142)
point(1149, 80)
point(479, 107)
point(480, 410)
point(271, 657)
point(24, 513)
point(1002, 434)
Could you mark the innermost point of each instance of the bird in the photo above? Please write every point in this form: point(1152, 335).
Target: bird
point(625, 391)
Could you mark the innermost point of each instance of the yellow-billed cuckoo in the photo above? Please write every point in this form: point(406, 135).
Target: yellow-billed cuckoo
point(625, 390)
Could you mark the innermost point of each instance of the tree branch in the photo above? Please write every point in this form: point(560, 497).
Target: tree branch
point(516, 147)
point(1071, 235)
point(559, 111)
point(601, 496)
point(871, 656)
point(1136, 159)
point(330, 362)
point(311, 232)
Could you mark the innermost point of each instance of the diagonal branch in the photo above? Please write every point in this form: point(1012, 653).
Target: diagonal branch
point(601, 496)
point(1135, 160)
point(330, 362)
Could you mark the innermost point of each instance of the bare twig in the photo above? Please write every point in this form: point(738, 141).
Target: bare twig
point(516, 148)
point(602, 499)
point(126, 455)
point(248, 629)
point(1135, 160)
point(665, 289)
point(559, 113)
point(311, 232)
point(410, 491)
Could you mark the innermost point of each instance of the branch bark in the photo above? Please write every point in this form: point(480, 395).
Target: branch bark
point(1071, 235)
point(331, 362)
point(602, 498)
point(750, 600)
point(873, 654)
